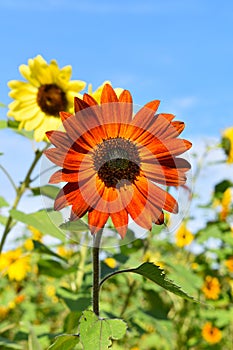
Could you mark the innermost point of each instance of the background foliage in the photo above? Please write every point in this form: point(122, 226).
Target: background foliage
point(46, 280)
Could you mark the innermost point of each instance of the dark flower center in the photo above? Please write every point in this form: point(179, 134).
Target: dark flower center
point(116, 160)
point(52, 99)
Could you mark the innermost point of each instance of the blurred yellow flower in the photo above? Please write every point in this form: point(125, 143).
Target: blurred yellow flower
point(211, 334)
point(4, 310)
point(226, 204)
point(36, 234)
point(227, 143)
point(47, 91)
point(111, 262)
point(183, 236)
point(149, 256)
point(50, 291)
point(229, 264)
point(211, 288)
point(28, 244)
point(97, 93)
point(64, 252)
point(15, 264)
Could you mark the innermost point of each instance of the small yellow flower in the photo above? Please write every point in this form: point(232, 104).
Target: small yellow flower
point(110, 262)
point(4, 310)
point(229, 264)
point(11, 305)
point(183, 236)
point(64, 252)
point(50, 291)
point(194, 266)
point(211, 288)
point(97, 93)
point(211, 334)
point(28, 244)
point(36, 234)
point(14, 264)
point(46, 92)
point(149, 256)
point(227, 143)
point(226, 204)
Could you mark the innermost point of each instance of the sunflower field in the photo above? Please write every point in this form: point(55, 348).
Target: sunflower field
point(108, 242)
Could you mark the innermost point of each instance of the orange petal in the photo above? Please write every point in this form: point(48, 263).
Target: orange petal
point(120, 221)
point(66, 196)
point(164, 175)
point(79, 104)
point(135, 204)
point(64, 175)
point(108, 95)
point(90, 100)
point(65, 115)
point(97, 220)
point(144, 117)
point(59, 139)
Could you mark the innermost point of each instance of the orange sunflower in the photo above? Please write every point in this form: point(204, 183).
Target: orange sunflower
point(112, 160)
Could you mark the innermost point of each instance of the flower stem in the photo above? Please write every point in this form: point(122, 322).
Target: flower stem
point(96, 271)
point(19, 193)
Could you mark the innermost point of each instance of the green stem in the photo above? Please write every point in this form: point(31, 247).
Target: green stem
point(9, 177)
point(113, 274)
point(96, 271)
point(128, 297)
point(20, 191)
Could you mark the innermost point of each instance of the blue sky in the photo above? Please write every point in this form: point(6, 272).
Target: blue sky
point(178, 51)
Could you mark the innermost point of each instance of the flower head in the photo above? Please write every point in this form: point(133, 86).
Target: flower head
point(211, 334)
point(46, 91)
point(226, 204)
point(15, 264)
point(229, 264)
point(211, 287)
point(183, 236)
point(227, 143)
point(111, 161)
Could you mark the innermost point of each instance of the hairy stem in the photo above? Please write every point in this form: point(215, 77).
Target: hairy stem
point(20, 191)
point(96, 271)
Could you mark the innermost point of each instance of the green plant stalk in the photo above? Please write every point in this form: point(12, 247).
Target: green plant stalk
point(96, 270)
point(20, 191)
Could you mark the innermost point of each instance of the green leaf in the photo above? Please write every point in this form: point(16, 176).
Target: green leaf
point(157, 275)
point(65, 342)
point(53, 268)
point(42, 249)
point(41, 221)
point(3, 202)
point(97, 334)
point(33, 342)
point(3, 220)
point(75, 226)
point(14, 125)
point(7, 344)
point(79, 304)
point(3, 124)
point(47, 190)
point(221, 187)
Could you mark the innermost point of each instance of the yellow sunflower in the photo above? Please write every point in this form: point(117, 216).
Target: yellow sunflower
point(227, 143)
point(211, 334)
point(183, 236)
point(15, 264)
point(46, 91)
